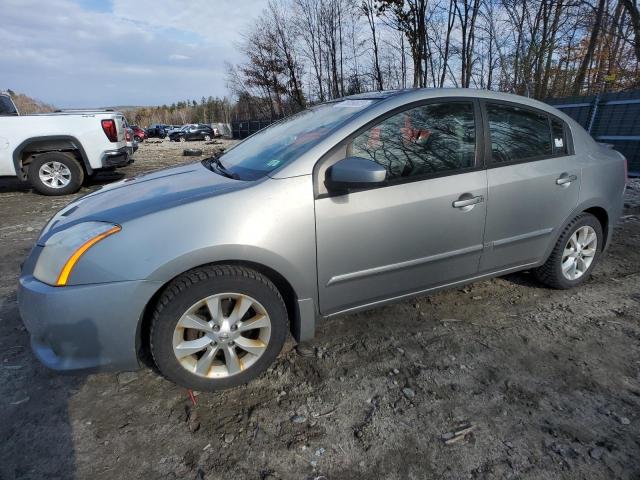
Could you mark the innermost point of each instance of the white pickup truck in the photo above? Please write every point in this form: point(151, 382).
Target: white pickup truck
point(55, 152)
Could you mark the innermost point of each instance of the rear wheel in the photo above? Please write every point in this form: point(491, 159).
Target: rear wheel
point(217, 327)
point(574, 255)
point(207, 138)
point(56, 173)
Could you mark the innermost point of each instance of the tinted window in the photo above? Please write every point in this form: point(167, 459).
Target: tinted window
point(517, 134)
point(559, 139)
point(424, 140)
point(6, 106)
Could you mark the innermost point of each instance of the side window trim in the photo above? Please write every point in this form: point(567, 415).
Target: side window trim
point(345, 144)
point(488, 157)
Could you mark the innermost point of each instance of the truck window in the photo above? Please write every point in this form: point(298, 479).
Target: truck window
point(6, 106)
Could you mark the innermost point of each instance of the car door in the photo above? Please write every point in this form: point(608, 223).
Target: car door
point(424, 228)
point(534, 183)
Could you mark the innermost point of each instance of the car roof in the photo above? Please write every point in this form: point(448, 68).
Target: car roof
point(377, 95)
point(428, 93)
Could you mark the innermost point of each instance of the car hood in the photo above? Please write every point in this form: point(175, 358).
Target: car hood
point(144, 194)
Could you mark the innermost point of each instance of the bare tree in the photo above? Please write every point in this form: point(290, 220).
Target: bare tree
point(634, 14)
point(367, 8)
point(588, 56)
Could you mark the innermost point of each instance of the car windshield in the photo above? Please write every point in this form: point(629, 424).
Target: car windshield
point(286, 140)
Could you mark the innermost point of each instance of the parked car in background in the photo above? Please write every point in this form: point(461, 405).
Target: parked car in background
point(55, 152)
point(176, 128)
point(139, 133)
point(132, 142)
point(192, 132)
point(156, 131)
point(346, 206)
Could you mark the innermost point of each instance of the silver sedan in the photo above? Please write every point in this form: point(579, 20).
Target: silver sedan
point(348, 205)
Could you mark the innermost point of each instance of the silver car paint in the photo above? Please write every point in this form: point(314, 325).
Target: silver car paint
point(373, 246)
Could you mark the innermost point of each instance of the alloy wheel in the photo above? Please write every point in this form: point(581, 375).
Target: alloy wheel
point(579, 252)
point(221, 335)
point(55, 174)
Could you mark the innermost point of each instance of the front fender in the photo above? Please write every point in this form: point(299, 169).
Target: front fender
point(237, 254)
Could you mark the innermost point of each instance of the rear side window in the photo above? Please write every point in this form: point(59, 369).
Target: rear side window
point(429, 139)
point(558, 137)
point(6, 106)
point(518, 134)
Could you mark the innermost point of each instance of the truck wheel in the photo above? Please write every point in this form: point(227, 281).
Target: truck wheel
point(217, 327)
point(56, 173)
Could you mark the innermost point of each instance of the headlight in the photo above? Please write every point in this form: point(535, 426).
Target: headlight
point(63, 249)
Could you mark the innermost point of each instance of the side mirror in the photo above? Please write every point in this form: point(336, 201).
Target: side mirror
point(353, 173)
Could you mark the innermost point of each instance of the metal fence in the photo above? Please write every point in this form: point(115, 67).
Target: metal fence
point(243, 128)
point(610, 118)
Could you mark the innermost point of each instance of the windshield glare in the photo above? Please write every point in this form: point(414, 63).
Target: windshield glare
point(286, 140)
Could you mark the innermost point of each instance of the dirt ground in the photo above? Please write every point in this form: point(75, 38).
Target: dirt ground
point(500, 379)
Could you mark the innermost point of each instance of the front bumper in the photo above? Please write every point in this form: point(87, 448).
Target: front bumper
point(117, 158)
point(84, 327)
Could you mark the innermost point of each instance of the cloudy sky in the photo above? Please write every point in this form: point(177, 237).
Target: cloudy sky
point(88, 53)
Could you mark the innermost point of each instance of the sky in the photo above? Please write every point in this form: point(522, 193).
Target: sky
point(98, 53)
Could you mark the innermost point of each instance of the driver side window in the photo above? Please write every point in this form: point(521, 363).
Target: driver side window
point(425, 140)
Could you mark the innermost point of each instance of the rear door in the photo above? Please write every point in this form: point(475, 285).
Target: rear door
point(534, 182)
point(423, 229)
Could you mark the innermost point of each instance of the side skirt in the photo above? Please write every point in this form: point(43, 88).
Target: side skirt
point(385, 301)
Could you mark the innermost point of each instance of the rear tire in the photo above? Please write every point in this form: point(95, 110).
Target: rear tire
point(565, 254)
point(225, 362)
point(56, 173)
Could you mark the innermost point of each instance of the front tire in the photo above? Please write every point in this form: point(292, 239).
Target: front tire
point(56, 173)
point(575, 254)
point(217, 327)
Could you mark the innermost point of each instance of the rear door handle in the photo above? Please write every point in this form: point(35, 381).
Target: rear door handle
point(467, 202)
point(565, 179)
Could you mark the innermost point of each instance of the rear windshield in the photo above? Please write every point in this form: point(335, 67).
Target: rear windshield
point(286, 140)
point(6, 106)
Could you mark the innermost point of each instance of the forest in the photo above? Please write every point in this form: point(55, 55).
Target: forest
point(300, 52)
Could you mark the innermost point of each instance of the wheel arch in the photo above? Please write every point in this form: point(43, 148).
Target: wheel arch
point(55, 143)
point(594, 208)
point(603, 217)
point(283, 285)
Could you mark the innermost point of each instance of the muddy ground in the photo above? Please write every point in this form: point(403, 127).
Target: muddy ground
point(542, 384)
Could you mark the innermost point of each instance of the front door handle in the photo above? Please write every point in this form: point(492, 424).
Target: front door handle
point(467, 202)
point(565, 179)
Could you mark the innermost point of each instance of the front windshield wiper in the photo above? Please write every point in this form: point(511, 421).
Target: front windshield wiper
point(221, 169)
